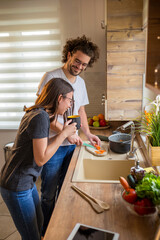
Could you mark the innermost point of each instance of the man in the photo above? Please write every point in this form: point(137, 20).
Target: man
point(78, 54)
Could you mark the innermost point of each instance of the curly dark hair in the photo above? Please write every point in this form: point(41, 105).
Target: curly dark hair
point(84, 45)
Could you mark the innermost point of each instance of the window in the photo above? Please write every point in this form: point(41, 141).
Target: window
point(30, 45)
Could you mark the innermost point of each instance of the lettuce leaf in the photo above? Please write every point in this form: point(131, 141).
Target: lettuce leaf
point(149, 187)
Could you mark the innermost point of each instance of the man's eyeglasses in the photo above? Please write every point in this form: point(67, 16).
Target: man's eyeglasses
point(71, 100)
point(78, 62)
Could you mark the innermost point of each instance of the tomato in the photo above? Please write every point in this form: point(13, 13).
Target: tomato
point(144, 206)
point(130, 195)
point(124, 183)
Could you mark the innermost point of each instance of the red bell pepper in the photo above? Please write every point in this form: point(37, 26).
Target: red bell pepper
point(144, 206)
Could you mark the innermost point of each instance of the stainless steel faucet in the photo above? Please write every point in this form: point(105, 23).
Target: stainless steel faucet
point(131, 153)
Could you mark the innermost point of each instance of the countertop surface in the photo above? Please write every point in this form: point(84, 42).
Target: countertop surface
point(72, 208)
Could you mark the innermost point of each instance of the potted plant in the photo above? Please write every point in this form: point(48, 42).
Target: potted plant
point(150, 125)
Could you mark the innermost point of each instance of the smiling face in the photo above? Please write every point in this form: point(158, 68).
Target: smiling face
point(65, 102)
point(77, 62)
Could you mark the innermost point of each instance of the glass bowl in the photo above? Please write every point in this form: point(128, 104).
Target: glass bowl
point(140, 210)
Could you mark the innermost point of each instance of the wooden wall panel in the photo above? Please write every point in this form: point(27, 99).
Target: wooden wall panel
point(124, 22)
point(124, 7)
point(118, 82)
point(118, 46)
point(125, 106)
point(124, 96)
point(125, 69)
point(125, 59)
point(123, 114)
point(125, 35)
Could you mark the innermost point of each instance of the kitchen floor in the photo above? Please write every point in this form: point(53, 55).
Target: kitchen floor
point(8, 230)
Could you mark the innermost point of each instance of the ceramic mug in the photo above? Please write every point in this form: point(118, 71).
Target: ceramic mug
point(75, 118)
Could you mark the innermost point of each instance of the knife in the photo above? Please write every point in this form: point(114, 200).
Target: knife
point(88, 145)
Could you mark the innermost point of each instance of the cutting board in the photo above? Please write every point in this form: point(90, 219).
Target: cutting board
point(92, 151)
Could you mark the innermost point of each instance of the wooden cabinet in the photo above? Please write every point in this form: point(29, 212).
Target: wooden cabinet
point(125, 59)
point(153, 46)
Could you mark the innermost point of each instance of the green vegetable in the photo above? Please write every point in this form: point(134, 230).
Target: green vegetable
point(103, 138)
point(149, 187)
point(131, 181)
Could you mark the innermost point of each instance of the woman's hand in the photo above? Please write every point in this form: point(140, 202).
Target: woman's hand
point(75, 139)
point(69, 129)
point(43, 151)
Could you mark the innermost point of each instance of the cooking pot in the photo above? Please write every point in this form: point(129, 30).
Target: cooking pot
point(120, 142)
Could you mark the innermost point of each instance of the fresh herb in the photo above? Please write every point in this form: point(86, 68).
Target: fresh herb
point(149, 187)
point(150, 123)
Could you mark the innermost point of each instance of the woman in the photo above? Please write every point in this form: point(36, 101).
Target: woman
point(30, 152)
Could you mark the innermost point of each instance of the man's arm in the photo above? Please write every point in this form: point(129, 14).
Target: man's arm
point(85, 128)
point(46, 77)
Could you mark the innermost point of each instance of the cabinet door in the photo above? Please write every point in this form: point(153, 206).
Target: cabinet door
point(125, 59)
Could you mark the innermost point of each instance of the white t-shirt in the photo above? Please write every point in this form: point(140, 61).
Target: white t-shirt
point(80, 93)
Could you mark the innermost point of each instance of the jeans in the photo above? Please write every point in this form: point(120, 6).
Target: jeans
point(53, 174)
point(26, 212)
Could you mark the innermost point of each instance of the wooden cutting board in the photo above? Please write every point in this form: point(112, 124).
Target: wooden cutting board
point(93, 151)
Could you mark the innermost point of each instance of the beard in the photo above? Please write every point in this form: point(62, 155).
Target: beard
point(73, 70)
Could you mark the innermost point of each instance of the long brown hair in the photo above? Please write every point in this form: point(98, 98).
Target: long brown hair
point(48, 99)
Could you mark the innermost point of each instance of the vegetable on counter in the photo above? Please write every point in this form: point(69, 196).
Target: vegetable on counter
point(130, 195)
point(144, 206)
point(103, 138)
point(100, 151)
point(124, 183)
point(146, 195)
point(131, 181)
point(97, 147)
point(149, 187)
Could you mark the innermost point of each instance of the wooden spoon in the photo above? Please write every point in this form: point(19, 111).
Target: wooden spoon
point(102, 204)
point(94, 205)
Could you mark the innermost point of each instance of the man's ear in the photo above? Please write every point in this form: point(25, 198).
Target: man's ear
point(68, 55)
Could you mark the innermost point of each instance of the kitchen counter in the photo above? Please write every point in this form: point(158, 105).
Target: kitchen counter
point(71, 208)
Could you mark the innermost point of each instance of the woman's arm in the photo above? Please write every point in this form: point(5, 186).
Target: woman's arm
point(56, 126)
point(43, 151)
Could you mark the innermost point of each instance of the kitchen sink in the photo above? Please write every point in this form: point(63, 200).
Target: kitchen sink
point(90, 168)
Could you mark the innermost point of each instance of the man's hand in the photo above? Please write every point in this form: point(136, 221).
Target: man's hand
point(93, 139)
point(75, 139)
point(85, 128)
